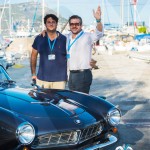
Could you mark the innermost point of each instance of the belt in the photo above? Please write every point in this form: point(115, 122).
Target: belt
point(77, 71)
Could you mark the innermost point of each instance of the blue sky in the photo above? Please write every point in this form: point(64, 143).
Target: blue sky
point(111, 10)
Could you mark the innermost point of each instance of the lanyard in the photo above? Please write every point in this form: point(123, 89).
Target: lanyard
point(51, 47)
point(70, 45)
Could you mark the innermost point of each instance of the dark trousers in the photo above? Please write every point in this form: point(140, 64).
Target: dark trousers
point(80, 80)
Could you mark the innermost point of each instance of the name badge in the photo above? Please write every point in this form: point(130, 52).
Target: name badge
point(51, 57)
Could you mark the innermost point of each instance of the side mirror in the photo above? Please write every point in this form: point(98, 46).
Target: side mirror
point(33, 83)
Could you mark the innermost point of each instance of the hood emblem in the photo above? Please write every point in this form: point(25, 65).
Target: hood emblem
point(77, 121)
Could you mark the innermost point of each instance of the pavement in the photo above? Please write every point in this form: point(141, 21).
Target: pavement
point(125, 82)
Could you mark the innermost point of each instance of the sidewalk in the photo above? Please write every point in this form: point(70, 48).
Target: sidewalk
point(143, 56)
point(126, 83)
point(119, 72)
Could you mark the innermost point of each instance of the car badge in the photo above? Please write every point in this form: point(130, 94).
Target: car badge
point(77, 121)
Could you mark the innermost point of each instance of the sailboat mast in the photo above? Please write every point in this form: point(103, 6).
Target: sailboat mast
point(43, 14)
point(128, 12)
point(134, 5)
point(103, 12)
point(10, 24)
point(149, 22)
point(122, 12)
point(3, 8)
point(58, 8)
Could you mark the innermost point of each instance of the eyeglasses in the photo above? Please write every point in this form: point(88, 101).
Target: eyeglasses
point(74, 24)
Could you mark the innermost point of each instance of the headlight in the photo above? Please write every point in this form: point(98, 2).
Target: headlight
point(114, 117)
point(25, 133)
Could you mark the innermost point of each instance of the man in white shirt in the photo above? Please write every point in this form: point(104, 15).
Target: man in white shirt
point(79, 51)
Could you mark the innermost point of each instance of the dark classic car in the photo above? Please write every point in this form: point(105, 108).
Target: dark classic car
point(54, 119)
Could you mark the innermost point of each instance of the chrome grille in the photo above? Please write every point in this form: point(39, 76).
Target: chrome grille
point(68, 137)
point(53, 139)
point(90, 131)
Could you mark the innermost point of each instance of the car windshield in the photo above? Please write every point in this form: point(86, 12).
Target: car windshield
point(3, 75)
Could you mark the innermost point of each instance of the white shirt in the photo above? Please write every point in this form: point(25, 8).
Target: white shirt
point(80, 51)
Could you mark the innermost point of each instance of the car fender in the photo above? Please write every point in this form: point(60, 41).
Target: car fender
point(9, 122)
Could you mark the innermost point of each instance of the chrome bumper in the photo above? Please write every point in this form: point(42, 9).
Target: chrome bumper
point(111, 139)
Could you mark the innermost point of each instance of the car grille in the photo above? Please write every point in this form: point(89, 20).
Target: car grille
point(67, 138)
point(90, 131)
point(63, 138)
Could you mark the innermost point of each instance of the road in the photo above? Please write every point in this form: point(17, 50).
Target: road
point(126, 83)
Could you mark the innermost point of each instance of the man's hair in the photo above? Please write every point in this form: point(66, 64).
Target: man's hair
point(54, 17)
point(75, 17)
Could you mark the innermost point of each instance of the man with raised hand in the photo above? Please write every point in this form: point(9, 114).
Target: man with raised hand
point(79, 51)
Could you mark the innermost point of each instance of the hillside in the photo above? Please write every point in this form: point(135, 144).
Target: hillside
point(24, 16)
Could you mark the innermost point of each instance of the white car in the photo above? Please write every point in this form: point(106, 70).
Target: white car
point(7, 59)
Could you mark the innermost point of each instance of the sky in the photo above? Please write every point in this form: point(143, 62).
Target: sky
point(110, 9)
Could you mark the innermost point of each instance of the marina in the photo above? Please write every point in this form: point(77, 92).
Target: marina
point(122, 55)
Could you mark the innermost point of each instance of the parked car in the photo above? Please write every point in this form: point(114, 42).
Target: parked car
point(54, 119)
point(10, 57)
point(3, 60)
point(7, 59)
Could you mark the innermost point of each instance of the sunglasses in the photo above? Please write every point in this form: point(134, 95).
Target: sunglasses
point(74, 24)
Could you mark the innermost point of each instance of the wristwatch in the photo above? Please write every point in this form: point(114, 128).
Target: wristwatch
point(98, 20)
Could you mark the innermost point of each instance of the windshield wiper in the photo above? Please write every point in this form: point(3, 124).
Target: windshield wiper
point(7, 83)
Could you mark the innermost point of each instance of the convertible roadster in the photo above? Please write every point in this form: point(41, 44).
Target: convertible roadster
point(54, 119)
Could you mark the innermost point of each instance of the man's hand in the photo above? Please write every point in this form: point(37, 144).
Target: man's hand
point(34, 77)
point(93, 64)
point(33, 82)
point(43, 33)
point(97, 13)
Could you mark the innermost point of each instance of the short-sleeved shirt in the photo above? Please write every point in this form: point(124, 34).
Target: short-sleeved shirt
point(51, 70)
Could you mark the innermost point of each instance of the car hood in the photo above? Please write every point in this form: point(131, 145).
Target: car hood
point(40, 103)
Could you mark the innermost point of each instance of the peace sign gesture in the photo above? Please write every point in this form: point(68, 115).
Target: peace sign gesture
point(97, 13)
